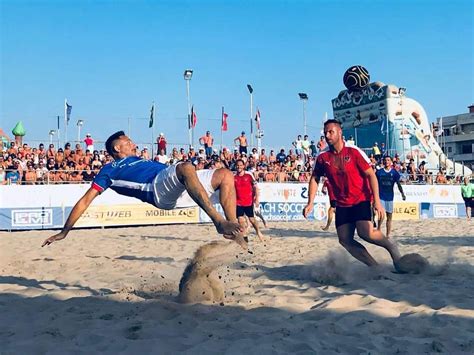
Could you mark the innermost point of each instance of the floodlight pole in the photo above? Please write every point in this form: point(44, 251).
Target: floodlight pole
point(249, 87)
point(187, 76)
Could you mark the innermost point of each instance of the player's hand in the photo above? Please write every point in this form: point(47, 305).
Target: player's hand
point(54, 238)
point(404, 197)
point(307, 210)
point(379, 210)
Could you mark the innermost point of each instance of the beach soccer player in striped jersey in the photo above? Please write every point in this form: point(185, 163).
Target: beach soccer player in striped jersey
point(354, 184)
point(165, 187)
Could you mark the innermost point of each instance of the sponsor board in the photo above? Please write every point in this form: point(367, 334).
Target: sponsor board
point(135, 214)
point(445, 211)
point(284, 211)
point(431, 193)
point(284, 192)
point(39, 217)
point(406, 210)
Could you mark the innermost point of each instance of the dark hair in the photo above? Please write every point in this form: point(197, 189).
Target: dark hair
point(241, 160)
point(332, 120)
point(110, 141)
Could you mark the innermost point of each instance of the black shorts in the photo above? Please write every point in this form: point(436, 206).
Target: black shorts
point(242, 149)
point(350, 215)
point(245, 211)
point(468, 201)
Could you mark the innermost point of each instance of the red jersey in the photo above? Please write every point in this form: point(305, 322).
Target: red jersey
point(346, 174)
point(244, 189)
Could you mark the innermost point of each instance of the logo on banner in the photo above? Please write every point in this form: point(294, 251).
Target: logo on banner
point(445, 211)
point(319, 211)
point(406, 210)
point(32, 218)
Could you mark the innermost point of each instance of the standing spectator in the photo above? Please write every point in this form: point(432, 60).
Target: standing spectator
point(207, 141)
point(161, 142)
point(89, 142)
point(305, 144)
point(298, 144)
point(422, 172)
point(467, 193)
point(313, 149)
point(383, 151)
point(321, 144)
point(376, 152)
point(242, 140)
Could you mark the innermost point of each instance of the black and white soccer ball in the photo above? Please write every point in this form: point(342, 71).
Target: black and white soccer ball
point(356, 78)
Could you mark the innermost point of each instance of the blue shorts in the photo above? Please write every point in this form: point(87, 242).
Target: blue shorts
point(387, 205)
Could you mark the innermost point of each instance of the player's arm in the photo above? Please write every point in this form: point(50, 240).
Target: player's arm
point(312, 189)
point(75, 214)
point(255, 193)
point(400, 188)
point(374, 185)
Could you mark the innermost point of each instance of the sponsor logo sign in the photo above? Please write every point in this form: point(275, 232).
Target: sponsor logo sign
point(32, 217)
point(102, 215)
point(445, 211)
point(406, 210)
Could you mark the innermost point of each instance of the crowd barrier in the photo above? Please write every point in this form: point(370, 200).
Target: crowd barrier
point(48, 206)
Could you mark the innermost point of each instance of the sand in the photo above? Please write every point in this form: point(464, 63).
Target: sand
point(116, 291)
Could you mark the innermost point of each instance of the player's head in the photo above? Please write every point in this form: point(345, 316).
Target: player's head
point(239, 165)
point(387, 161)
point(118, 145)
point(332, 131)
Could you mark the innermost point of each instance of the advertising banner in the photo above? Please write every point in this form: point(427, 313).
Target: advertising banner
point(105, 215)
point(406, 210)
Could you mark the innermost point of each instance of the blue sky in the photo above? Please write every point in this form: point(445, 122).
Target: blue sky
point(112, 59)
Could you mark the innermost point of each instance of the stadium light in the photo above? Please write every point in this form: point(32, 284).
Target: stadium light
point(188, 74)
point(79, 124)
point(304, 97)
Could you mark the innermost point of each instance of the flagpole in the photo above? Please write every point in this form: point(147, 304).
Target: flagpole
point(153, 132)
point(222, 132)
point(59, 139)
point(65, 121)
point(251, 118)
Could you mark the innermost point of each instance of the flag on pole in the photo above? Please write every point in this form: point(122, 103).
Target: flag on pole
point(224, 120)
point(192, 118)
point(152, 115)
point(257, 118)
point(68, 111)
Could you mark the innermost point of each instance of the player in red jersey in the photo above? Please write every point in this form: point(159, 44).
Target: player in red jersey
point(354, 184)
point(247, 196)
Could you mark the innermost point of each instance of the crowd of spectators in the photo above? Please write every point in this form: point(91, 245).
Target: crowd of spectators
point(23, 164)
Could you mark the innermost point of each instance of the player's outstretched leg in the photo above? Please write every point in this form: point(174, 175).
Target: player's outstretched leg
point(230, 228)
point(223, 180)
point(375, 236)
point(345, 234)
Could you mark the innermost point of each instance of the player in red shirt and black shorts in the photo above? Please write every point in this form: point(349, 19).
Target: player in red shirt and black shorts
point(247, 196)
point(354, 184)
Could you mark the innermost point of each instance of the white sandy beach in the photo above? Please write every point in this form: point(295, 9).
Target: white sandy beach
point(115, 291)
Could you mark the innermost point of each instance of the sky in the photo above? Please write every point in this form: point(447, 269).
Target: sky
point(112, 59)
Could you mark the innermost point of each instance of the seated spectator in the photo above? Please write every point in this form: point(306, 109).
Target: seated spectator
point(441, 177)
point(162, 157)
point(272, 157)
point(270, 175)
point(88, 175)
point(96, 163)
point(59, 157)
point(30, 174)
point(281, 157)
point(13, 175)
point(3, 176)
point(41, 173)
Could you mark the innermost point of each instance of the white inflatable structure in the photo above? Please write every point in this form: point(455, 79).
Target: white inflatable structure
point(382, 113)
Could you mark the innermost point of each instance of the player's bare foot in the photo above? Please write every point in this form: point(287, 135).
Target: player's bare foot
point(263, 239)
point(239, 239)
point(325, 228)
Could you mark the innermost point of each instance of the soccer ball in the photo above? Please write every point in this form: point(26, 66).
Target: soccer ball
point(356, 78)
